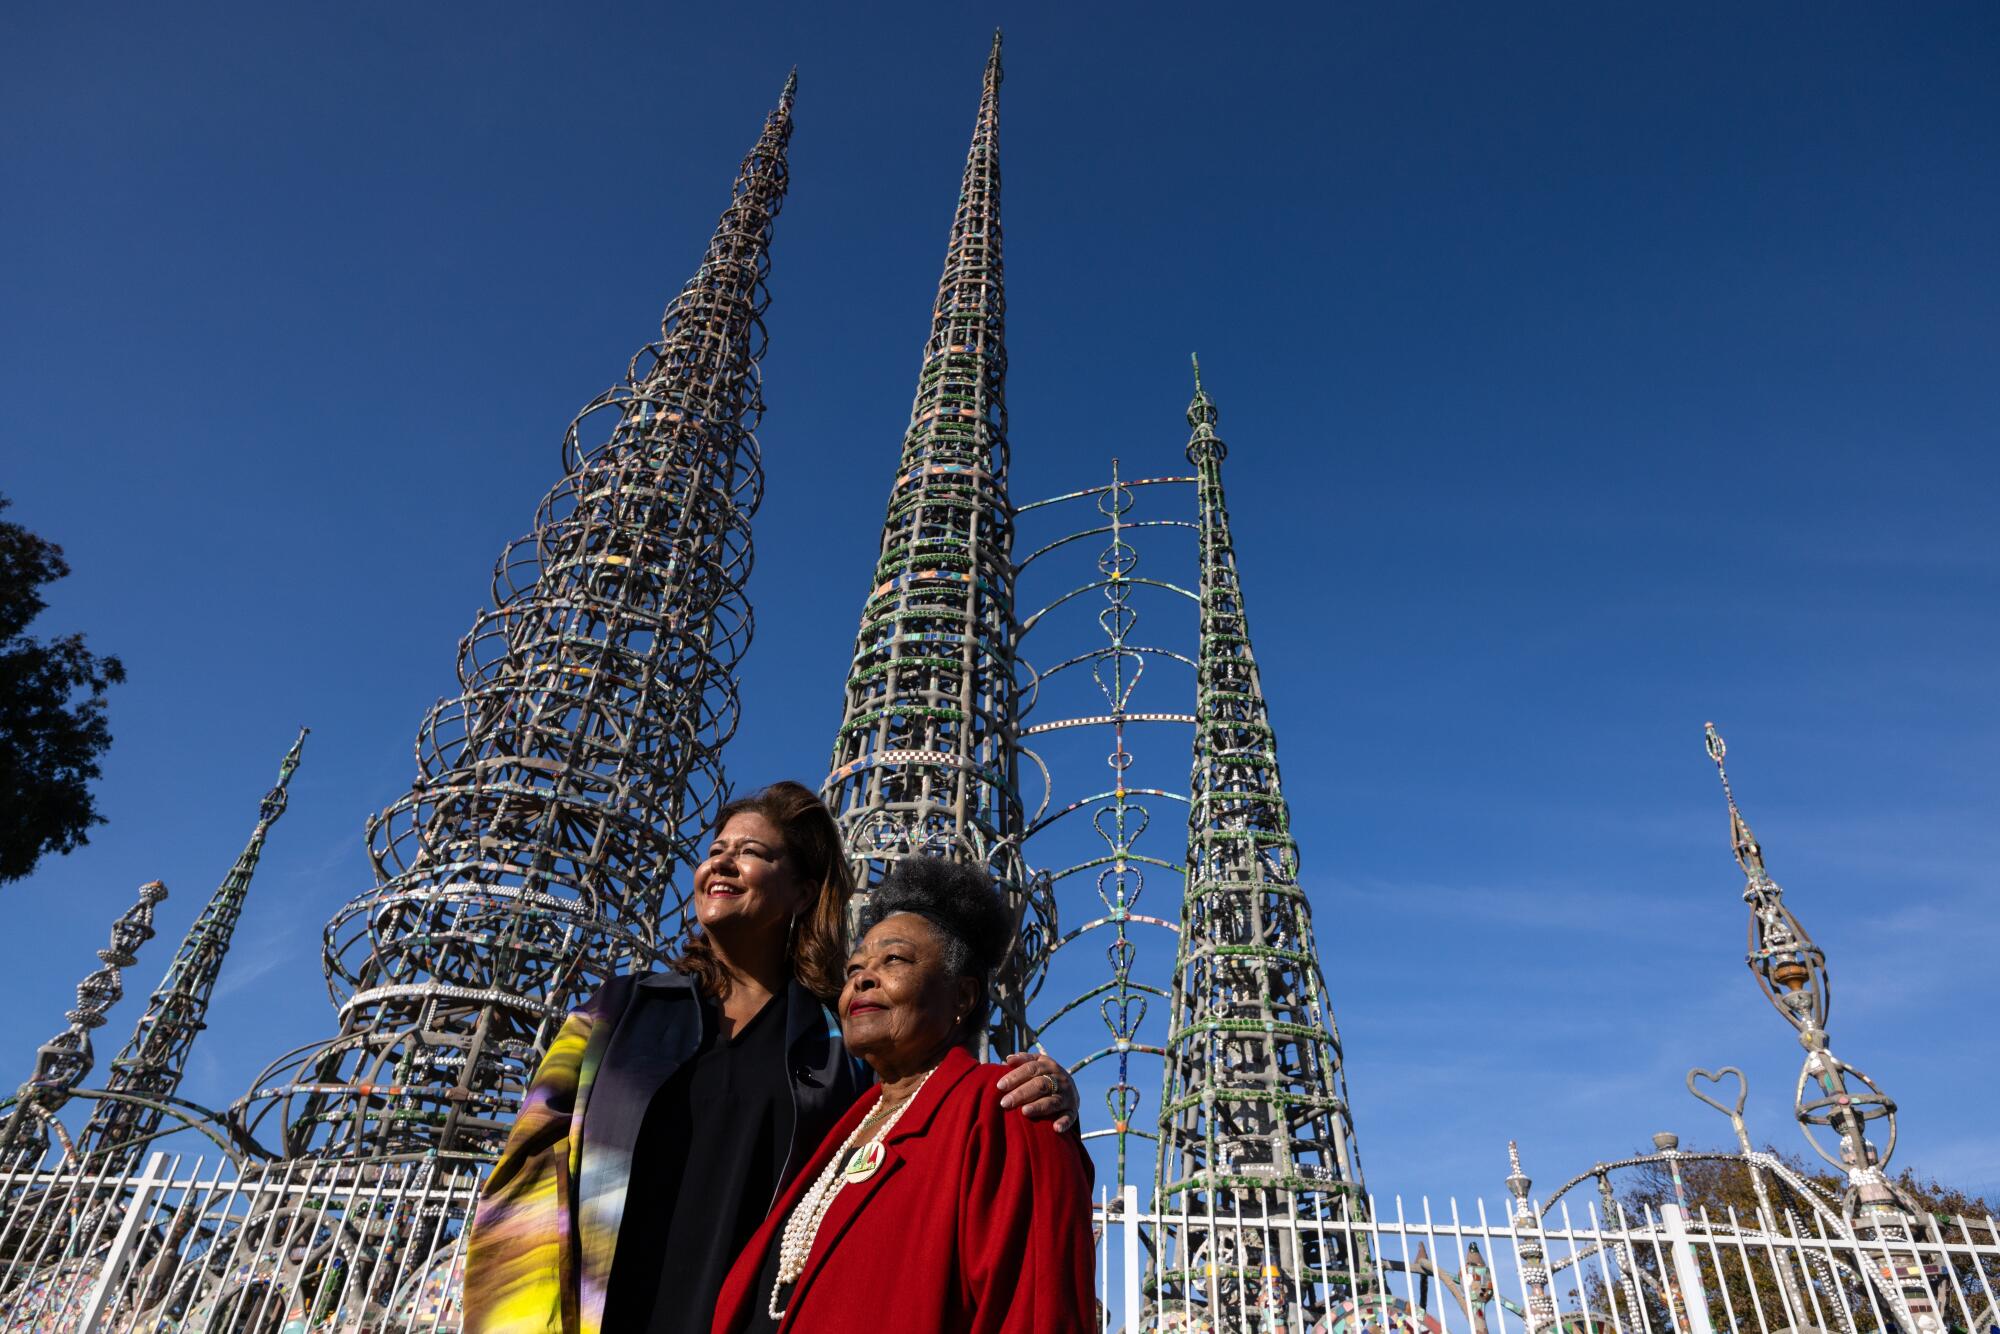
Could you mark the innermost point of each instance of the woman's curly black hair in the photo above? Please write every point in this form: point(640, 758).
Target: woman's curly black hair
point(971, 919)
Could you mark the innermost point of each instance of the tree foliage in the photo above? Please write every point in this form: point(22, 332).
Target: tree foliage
point(1740, 1282)
point(52, 724)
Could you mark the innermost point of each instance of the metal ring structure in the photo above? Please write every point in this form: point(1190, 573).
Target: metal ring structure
point(1103, 885)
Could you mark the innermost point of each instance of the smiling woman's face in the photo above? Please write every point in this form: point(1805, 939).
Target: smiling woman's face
point(746, 883)
point(901, 1006)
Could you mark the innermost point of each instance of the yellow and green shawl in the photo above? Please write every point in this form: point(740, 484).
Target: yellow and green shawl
point(536, 1263)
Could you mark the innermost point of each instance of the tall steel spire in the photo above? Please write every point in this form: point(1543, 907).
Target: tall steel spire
point(534, 855)
point(926, 759)
point(1254, 1117)
point(63, 1061)
point(154, 1058)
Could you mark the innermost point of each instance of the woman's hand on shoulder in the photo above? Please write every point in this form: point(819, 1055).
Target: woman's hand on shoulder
point(1041, 1088)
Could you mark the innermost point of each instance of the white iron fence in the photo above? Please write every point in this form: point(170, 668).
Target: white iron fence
point(303, 1248)
point(1451, 1272)
point(191, 1247)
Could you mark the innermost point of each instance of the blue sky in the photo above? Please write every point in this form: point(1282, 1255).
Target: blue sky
point(1587, 374)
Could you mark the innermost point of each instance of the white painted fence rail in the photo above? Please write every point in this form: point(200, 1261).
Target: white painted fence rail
point(188, 1246)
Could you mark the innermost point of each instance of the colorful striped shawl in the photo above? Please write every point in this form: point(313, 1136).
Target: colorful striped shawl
point(536, 1263)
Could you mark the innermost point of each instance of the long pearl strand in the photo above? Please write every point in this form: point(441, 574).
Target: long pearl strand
point(802, 1228)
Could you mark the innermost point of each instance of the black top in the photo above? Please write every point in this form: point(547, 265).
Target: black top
point(761, 1321)
point(689, 1211)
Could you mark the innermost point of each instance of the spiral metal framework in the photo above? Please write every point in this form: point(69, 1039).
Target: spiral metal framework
point(925, 760)
point(147, 1071)
point(63, 1061)
point(534, 855)
point(1254, 1118)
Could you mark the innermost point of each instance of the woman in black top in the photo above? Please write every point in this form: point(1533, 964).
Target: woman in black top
point(674, 1107)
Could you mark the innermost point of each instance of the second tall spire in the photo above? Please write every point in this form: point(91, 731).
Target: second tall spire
point(926, 759)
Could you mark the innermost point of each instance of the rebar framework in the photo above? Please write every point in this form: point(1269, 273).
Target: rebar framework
point(1254, 1117)
point(926, 756)
point(147, 1071)
point(63, 1061)
point(534, 856)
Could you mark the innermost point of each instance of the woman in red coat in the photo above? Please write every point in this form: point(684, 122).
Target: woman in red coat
point(927, 1208)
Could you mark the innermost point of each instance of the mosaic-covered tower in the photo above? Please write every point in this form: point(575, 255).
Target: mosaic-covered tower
point(926, 759)
point(148, 1070)
point(534, 856)
point(1254, 1118)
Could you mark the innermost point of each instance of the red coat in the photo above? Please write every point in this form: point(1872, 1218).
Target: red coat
point(977, 1222)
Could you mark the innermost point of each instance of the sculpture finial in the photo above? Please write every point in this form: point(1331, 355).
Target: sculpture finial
point(1202, 416)
point(1517, 1180)
point(1749, 855)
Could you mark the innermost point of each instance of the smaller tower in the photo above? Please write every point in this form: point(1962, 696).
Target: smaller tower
point(154, 1058)
point(1254, 1119)
point(63, 1061)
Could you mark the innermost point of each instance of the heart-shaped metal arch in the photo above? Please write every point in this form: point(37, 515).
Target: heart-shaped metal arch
point(1734, 1113)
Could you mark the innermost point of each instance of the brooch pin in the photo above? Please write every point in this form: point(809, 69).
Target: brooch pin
point(865, 1164)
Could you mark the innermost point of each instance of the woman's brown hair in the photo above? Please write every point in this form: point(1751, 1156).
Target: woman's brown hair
point(818, 949)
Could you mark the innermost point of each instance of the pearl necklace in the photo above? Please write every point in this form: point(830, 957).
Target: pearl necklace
point(802, 1228)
